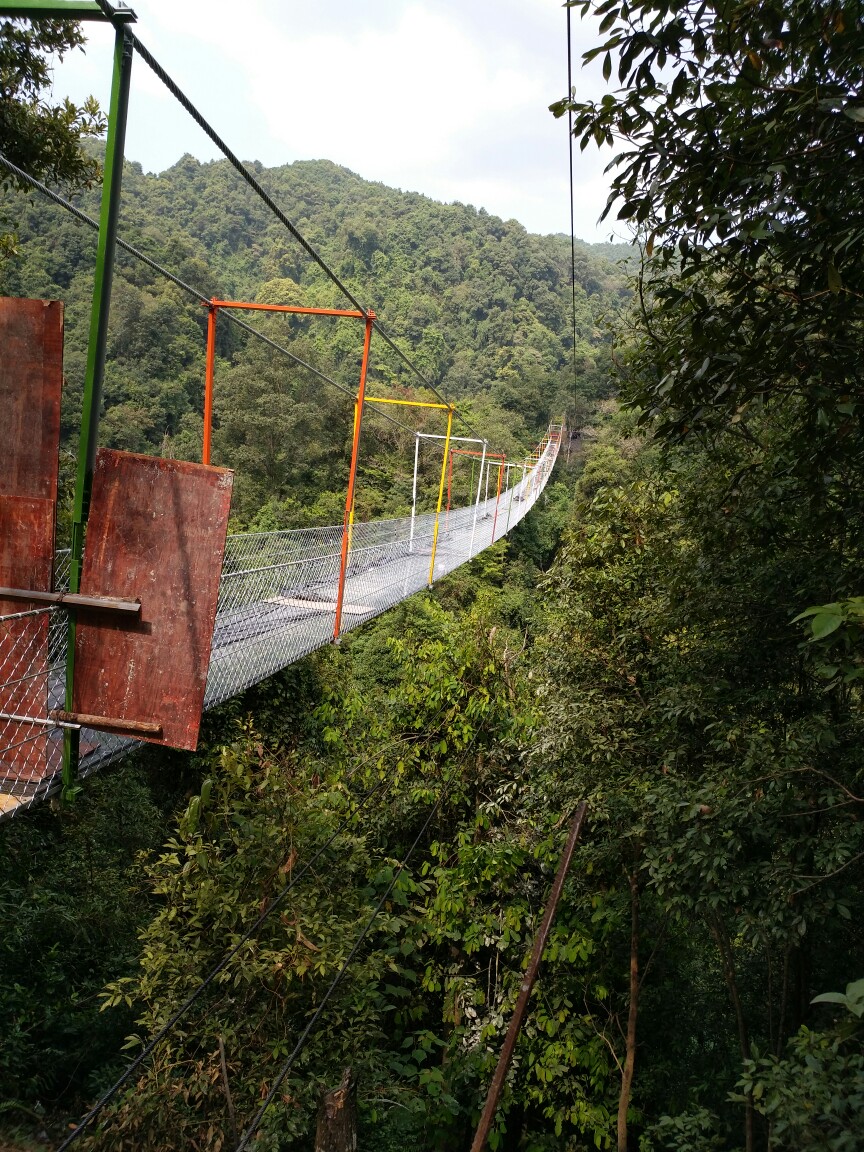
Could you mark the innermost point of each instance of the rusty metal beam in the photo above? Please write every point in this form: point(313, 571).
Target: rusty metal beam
point(72, 600)
point(497, 1085)
point(105, 723)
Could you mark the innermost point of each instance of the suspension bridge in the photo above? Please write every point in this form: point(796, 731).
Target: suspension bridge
point(154, 612)
point(278, 594)
point(104, 645)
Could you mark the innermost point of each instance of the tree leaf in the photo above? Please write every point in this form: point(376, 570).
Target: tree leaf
point(824, 624)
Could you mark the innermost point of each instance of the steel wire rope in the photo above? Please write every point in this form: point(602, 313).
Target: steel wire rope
point(337, 980)
point(259, 190)
point(160, 1035)
point(6, 163)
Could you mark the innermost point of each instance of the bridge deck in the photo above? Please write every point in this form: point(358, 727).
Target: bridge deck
point(277, 603)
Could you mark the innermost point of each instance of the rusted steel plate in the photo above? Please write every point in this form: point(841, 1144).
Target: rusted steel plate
point(156, 534)
point(26, 559)
point(31, 376)
point(26, 547)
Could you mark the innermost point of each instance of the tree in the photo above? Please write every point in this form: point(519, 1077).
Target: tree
point(742, 128)
point(43, 138)
point(814, 1098)
point(724, 782)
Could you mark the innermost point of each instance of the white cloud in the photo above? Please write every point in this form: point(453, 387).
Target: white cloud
point(443, 97)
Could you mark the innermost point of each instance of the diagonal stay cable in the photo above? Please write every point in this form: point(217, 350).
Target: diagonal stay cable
point(196, 293)
point(236, 163)
point(303, 364)
point(337, 980)
point(157, 1038)
point(259, 190)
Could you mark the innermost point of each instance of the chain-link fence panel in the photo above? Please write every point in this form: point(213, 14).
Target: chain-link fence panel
point(277, 602)
point(32, 668)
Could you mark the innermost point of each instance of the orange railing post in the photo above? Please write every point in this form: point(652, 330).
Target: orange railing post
point(352, 476)
point(208, 382)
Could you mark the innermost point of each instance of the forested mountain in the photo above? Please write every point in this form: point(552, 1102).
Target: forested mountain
point(481, 305)
point(349, 873)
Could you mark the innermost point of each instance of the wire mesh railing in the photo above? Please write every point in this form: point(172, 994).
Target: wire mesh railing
point(277, 603)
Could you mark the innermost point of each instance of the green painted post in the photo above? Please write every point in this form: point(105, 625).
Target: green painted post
point(109, 215)
point(63, 10)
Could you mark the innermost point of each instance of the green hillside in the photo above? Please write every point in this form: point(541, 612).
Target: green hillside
point(481, 305)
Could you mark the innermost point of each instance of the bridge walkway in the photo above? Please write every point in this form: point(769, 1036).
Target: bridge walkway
point(277, 603)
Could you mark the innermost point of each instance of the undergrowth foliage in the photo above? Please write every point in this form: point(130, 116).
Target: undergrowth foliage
point(689, 665)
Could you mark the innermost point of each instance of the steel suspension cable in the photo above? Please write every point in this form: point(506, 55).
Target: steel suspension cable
point(160, 1035)
point(255, 1122)
point(196, 293)
point(260, 191)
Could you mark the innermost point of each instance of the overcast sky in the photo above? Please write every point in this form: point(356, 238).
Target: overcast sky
point(445, 97)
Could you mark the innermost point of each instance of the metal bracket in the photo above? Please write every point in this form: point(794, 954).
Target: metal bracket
point(73, 600)
point(107, 723)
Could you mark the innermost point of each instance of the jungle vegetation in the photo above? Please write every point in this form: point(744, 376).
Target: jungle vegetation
point(674, 634)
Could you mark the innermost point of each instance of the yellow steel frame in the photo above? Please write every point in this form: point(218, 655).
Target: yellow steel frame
point(449, 409)
point(407, 403)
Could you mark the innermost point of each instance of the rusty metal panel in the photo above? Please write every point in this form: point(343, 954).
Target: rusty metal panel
point(156, 534)
point(26, 559)
point(31, 377)
point(26, 547)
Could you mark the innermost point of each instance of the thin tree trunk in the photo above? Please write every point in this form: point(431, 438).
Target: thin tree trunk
point(784, 999)
point(229, 1100)
point(632, 1016)
point(337, 1117)
point(727, 961)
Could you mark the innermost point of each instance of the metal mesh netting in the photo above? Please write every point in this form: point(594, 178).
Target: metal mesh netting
point(32, 667)
point(277, 602)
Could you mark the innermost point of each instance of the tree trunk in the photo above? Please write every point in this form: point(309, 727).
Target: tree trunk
point(632, 1016)
point(337, 1117)
point(515, 1128)
point(727, 961)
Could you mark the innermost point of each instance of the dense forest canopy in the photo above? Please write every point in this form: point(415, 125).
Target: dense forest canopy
point(674, 634)
point(483, 307)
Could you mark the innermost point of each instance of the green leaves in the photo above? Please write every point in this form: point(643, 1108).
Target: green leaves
point(838, 628)
point(814, 1096)
point(823, 620)
point(852, 1000)
point(42, 138)
point(733, 163)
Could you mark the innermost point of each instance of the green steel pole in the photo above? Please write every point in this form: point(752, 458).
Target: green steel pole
point(108, 218)
point(59, 9)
